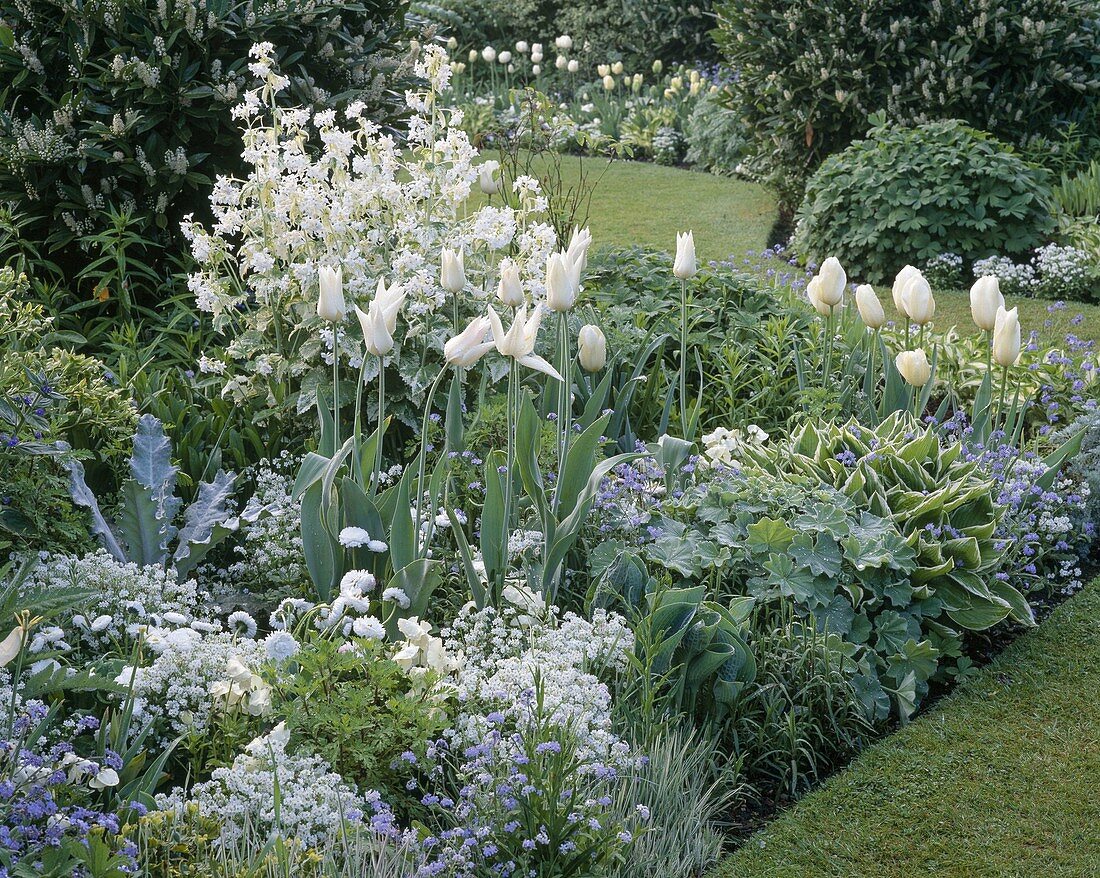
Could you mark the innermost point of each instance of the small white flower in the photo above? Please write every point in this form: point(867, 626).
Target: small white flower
point(107, 777)
point(354, 537)
point(356, 583)
point(242, 623)
point(398, 596)
point(370, 627)
point(280, 646)
point(100, 623)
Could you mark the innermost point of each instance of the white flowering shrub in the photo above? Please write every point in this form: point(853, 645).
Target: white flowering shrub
point(268, 792)
point(124, 105)
point(328, 189)
point(130, 601)
point(1055, 271)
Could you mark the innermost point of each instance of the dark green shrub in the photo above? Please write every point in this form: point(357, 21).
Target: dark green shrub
point(904, 195)
point(117, 114)
point(810, 72)
point(715, 135)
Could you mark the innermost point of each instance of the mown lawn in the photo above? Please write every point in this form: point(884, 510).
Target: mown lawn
point(1000, 779)
point(646, 204)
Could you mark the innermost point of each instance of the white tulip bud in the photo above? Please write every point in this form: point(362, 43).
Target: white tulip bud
point(870, 308)
point(486, 179)
point(510, 288)
point(561, 295)
point(813, 293)
point(536, 47)
point(536, 69)
point(985, 301)
point(685, 267)
point(473, 55)
point(609, 83)
point(453, 273)
point(537, 56)
point(505, 57)
point(579, 242)
point(561, 62)
point(603, 70)
point(899, 287)
point(574, 65)
point(452, 43)
point(376, 336)
point(489, 54)
point(1006, 337)
point(617, 68)
point(920, 305)
point(330, 301)
point(833, 282)
point(522, 47)
point(470, 345)
point(591, 348)
point(658, 66)
point(564, 42)
point(914, 367)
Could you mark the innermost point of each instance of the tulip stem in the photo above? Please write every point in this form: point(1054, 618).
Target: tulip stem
point(335, 389)
point(1004, 389)
point(683, 356)
point(565, 413)
point(356, 462)
point(510, 453)
point(423, 456)
point(377, 474)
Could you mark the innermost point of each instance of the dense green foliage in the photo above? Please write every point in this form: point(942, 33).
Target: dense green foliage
point(810, 72)
point(117, 115)
point(715, 136)
point(907, 194)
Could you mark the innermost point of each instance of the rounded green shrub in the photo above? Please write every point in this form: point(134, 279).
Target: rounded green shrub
point(904, 195)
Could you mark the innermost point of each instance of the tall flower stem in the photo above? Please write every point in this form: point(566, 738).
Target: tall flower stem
point(510, 447)
point(1004, 390)
point(565, 409)
point(357, 423)
point(423, 464)
point(377, 474)
point(335, 390)
point(683, 355)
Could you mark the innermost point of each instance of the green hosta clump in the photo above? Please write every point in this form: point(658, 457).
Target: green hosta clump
point(883, 537)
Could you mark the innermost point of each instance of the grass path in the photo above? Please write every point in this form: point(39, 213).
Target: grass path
point(1002, 779)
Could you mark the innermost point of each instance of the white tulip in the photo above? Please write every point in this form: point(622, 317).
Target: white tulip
point(522, 47)
point(106, 777)
point(1006, 337)
point(609, 83)
point(452, 275)
point(985, 301)
point(591, 348)
point(579, 242)
point(914, 367)
point(510, 288)
point(487, 180)
point(658, 66)
point(561, 62)
point(603, 70)
point(505, 57)
point(376, 337)
point(833, 281)
point(536, 47)
point(519, 341)
point(636, 82)
point(330, 301)
point(685, 267)
point(870, 308)
point(813, 293)
point(920, 305)
point(561, 293)
point(617, 68)
point(489, 54)
point(473, 55)
point(574, 65)
point(11, 645)
point(537, 57)
point(470, 345)
point(564, 42)
point(899, 287)
point(452, 43)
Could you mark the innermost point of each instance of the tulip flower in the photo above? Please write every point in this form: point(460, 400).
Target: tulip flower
point(603, 70)
point(330, 301)
point(591, 348)
point(470, 345)
point(519, 341)
point(561, 293)
point(1006, 337)
point(536, 47)
point(510, 288)
point(899, 287)
point(658, 66)
point(561, 62)
point(536, 69)
point(609, 83)
point(12, 645)
point(487, 180)
point(833, 281)
point(577, 252)
point(453, 272)
point(380, 319)
point(914, 367)
point(685, 266)
point(489, 54)
point(564, 42)
point(985, 301)
point(505, 57)
point(473, 56)
point(574, 65)
point(870, 308)
point(522, 47)
point(920, 305)
point(617, 68)
point(452, 43)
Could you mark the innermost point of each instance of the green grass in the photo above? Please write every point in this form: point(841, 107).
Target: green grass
point(1001, 779)
point(646, 204)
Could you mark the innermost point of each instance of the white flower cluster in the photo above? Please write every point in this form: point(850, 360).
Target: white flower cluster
point(324, 191)
point(723, 446)
point(268, 792)
point(180, 691)
point(1055, 271)
point(510, 654)
point(130, 600)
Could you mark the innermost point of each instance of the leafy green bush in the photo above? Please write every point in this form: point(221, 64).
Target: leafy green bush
point(811, 72)
point(117, 114)
point(907, 194)
point(715, 135)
